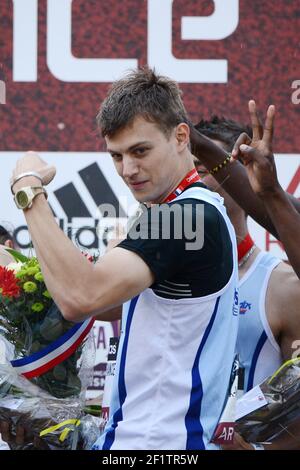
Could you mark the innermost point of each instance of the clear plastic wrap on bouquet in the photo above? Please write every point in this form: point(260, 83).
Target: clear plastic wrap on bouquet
point(45, 347)
point(50, 424)
point(47, 362)
point(40, 354)
point(270, 408)
point(57, 423)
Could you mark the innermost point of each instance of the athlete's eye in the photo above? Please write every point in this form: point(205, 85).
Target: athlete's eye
point(116, 156)
point(140, 150)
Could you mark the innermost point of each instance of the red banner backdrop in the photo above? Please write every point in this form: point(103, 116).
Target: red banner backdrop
point(262, 55)
point(54, 74)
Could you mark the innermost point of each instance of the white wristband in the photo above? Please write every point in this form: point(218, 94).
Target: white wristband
point(23, 175)
point(257, 446)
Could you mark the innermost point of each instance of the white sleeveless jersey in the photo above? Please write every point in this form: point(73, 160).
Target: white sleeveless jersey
point(259, 352)
point(174, 363)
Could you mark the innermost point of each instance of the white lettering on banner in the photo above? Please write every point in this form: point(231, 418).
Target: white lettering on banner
point(61, 62)
point(227, 434)
point(296, 94)
point(160, 42)
point(212, 27)
point(296, 345)
point(2, 92)
point(25, 40)
point(68, 68)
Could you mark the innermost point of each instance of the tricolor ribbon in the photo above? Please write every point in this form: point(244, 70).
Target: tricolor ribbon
point(40, 362)
point(189, 179)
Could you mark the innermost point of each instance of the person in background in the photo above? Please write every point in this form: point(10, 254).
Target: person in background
point(269, 291)
point(6, 241)
point(251, 180)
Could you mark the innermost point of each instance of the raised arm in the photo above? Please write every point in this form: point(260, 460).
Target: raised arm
point(258, 160)
point(234, 177)
point(79, 288)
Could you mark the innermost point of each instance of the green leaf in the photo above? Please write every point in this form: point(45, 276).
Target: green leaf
point(95, 410)
point(17, 255)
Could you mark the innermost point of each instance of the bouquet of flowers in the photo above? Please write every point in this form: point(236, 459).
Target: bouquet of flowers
point(48, 361)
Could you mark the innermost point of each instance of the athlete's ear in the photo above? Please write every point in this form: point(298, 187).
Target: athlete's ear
point(182, 134)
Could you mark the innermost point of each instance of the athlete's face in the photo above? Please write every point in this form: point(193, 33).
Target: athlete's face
point(148, 161)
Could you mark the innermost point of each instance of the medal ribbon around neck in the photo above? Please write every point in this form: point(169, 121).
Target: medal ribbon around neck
point(245, 246)
point(189, 179)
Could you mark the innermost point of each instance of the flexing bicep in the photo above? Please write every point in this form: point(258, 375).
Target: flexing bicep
point(119, 276)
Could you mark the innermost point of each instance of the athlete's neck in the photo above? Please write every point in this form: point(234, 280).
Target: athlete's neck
point(180, 184)
point(247, 252)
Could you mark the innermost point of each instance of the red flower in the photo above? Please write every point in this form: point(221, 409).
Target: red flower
point(8, 283)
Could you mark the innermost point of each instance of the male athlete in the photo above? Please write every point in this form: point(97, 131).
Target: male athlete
point(180, 317)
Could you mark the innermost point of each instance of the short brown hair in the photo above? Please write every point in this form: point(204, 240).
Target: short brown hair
point(142, 93)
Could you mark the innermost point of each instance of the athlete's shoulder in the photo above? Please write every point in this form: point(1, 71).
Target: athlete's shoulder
point(283, 278)
point(283, 297)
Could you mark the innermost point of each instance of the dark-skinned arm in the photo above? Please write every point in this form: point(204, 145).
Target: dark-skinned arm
point(254, 183)
point(233, 178)
point(287, 222)
point(259, 162)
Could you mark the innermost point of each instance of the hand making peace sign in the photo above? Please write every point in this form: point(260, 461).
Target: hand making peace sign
point(256, 153)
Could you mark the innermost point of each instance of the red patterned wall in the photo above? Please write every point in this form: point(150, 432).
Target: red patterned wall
point(263, 55)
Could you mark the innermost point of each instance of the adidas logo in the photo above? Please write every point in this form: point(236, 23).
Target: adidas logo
point(97, 186)
point(76, 206)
